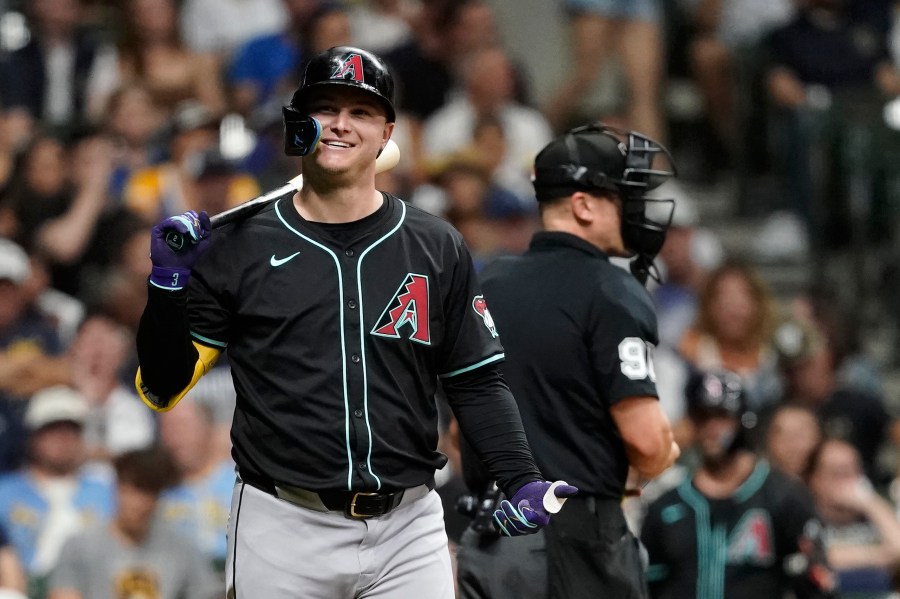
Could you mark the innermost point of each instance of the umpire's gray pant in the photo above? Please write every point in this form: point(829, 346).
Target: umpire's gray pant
point(277, 550)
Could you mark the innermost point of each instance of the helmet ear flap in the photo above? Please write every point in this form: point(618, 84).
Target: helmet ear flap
point(301, 132)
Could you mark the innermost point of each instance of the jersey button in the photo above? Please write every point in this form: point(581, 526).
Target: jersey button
point(351, 304)
point(361, 465)
point(357, 413)
point(355, 358)
point(349, 253)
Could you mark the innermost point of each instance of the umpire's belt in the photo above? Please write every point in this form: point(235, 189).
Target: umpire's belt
point(354, 504)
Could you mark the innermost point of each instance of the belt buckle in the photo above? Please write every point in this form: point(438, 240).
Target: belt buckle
point(352, 509)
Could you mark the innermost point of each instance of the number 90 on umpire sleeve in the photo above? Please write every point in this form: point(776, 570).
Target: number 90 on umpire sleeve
point(636, 357)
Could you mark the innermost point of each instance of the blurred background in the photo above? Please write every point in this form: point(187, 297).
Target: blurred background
point(783, 117)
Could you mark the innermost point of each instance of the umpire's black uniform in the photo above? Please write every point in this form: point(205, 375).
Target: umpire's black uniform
point(566, 315)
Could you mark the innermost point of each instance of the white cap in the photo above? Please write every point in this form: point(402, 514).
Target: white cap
point(13, 262)
point(55, 404)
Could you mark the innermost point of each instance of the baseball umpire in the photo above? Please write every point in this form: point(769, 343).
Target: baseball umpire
point(737, 528)
point(341, 308)
point(579, 333)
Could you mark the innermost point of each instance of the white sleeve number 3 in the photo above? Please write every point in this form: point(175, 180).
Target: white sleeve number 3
point(636, 356)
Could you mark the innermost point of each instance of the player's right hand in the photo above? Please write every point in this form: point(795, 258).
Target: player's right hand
point(527, 512)
point(175, 245)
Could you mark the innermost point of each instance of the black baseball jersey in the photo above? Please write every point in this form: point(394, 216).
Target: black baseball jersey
point(740, 547)
point(579, 333)
point(337, 336)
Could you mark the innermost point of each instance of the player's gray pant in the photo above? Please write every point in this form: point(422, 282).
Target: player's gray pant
point(278, 550)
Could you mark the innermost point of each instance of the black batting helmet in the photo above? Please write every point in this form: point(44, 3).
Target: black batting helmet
point(598, 157)
point(721, 392)
point(346, 65)
point(341, 65)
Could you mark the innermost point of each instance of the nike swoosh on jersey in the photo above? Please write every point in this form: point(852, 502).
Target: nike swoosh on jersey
point(279, 261)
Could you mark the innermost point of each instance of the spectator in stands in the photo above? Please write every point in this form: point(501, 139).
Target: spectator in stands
point(833, 55)
point(29, 352)
point(792, 434)
point(55, 201)
point(491, 219)
point(117, 421)
point(862, 533)
point(841, 329)
point(171, 187)
point(380, 26)
point(153, 53)
point(199, 504)
point(223, 26)
point(265, 68)
point(489, 88)
point(132, 120)
point(733, 331)
point(12, 576)
point(63, 76)
point(631, 30)
point(124, 280)
point(808, 363)
point(688, 255)
point(136, 554)
point(51, 499)
point(727, 40)
point(429, 67)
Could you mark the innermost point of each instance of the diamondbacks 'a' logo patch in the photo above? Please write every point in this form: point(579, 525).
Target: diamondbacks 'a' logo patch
point(752, 540)
point(407, 311)
point(481, 309)
point(350, 68)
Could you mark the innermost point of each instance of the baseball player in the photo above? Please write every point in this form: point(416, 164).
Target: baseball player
point(341, 308)
point(579, 334)
point(737, 528)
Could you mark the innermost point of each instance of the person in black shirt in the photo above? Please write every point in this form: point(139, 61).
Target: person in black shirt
point(340, 307)
point(579, 334)
point(737, 528)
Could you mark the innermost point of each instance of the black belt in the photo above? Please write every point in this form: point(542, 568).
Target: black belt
point(354, 504)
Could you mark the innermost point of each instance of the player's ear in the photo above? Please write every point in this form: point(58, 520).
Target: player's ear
point(386, 134)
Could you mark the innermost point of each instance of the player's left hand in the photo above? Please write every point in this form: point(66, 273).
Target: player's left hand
point(530, 508)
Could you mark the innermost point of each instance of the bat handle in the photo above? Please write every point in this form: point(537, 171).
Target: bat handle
point(175, 240)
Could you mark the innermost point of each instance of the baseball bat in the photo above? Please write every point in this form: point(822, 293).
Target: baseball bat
point(387, 160)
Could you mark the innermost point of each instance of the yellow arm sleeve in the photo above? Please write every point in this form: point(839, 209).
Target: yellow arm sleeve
point(206, 357)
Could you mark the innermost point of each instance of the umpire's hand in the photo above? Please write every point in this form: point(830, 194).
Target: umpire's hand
point(527, 512)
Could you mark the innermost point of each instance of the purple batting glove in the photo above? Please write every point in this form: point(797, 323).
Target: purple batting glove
point(526, 513)
point(175, 245)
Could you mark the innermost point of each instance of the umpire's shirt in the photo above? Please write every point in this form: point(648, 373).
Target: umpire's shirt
point(578, 333)
point(337, 336)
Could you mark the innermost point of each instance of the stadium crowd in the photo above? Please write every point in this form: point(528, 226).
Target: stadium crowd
point(117, 113)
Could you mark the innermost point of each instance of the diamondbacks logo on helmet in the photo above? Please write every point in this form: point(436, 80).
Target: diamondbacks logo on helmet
point(408, 307)
point(480, 307)
point(350, 68)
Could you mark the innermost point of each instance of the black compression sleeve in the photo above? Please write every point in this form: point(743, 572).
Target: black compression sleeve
point(165, 351)
point(490, 422)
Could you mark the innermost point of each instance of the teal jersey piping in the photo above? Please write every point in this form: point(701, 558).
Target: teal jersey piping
point(337, 265)
point(494, 358)
point(362, 335)
point(207, 340)
point(753, 483)
point(705, 549)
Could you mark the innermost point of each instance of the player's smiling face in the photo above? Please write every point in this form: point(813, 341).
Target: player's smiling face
point(354, 127)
